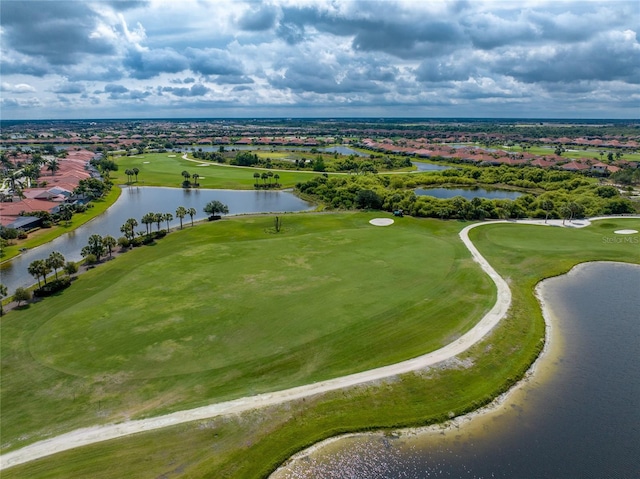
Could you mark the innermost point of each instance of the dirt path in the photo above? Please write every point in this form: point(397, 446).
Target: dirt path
point(90, 435)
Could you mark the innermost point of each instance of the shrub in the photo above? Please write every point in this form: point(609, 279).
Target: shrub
point(91, 259)
point(8, 233)
point(70, 268)
point(52, 287)
point(123, 242)
point(21, 295)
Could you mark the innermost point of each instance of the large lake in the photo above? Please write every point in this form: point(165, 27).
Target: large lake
point(578, 416)
point(134, 202)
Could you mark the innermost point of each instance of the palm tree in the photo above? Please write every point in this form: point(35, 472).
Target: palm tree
point(264, 177)
point(270, 175)
point(109, 242)
point(256, 178)
point(167, 217)
point(181, 212)
point(276, 177)
point(195, 177)
point(127, 228)
point(547, 206)
point(191, 212)
point(53, 166)
point(129, 173)
point(186, 175)
point(55, 261)
point(135, 171)
point(158, 218)
point(147, 220)
point(214, 207)
point(36, 268)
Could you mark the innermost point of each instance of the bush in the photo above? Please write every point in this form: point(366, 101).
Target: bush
point(52, 287)
point(123, 242)
point(91, 259)
point(8, 233)
point(70, 268)
point(22, 235)
point(21, 295)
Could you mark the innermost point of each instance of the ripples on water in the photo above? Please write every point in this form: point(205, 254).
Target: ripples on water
point(577, 417)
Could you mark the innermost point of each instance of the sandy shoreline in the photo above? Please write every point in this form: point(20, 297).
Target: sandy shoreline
point(90, 435)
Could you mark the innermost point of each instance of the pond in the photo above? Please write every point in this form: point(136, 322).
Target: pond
point(422, 166)
point(576, 417)
point(468, 193)
point(134, 202)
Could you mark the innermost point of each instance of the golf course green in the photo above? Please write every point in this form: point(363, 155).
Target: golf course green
point(66, 367)
point(230, 309)
point(164, 169)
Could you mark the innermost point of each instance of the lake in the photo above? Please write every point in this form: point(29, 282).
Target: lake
point(134, 202)
point(576, 417)
point(468, 193)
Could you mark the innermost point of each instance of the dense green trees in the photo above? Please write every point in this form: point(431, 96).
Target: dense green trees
point(549, 192)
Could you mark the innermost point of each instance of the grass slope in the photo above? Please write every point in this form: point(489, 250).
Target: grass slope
point(164, 169)
point(229, 309)
point(252, 445)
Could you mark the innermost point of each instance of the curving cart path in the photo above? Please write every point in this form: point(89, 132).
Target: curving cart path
point(91, 435)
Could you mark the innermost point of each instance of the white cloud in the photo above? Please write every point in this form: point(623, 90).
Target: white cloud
point(18, 88)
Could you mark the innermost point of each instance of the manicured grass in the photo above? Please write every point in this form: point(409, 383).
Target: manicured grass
point(164, 169)
point(252, 445)
point(229, 309)
point(44, 235)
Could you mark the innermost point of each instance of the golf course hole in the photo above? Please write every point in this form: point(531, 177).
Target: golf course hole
point(625, 232)
point(381, 221)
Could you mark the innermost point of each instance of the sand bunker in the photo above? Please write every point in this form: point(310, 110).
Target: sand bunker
point(171, 156)
point(381, 221)
point(145, 162)
point(625, 232)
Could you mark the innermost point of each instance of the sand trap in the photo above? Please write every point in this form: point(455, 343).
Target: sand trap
point(381, 221)
point(171, 156)
point(203, 164)
point(146, 162)
point(625, 232)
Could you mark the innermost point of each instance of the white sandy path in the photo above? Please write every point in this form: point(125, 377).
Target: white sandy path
point(91, 435)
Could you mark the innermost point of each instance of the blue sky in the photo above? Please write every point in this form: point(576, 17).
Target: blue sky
point(327, 58)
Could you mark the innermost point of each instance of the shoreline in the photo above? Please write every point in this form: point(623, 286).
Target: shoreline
point(551, 342)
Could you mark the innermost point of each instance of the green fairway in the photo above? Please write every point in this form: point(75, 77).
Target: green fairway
point(164, 169)
point(230, 309)
point(252, 445)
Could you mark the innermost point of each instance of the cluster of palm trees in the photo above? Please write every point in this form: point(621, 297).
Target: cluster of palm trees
point(42, 268)
point(131, 172)
point(157, 218)
point(97, 246)
point(187, 179)
point(267, 175)
point(181, 212)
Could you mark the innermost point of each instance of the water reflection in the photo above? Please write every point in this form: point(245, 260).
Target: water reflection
point(134, 202)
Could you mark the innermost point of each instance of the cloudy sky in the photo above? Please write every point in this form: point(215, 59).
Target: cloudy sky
point(327, 58)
